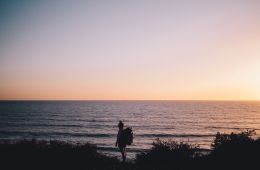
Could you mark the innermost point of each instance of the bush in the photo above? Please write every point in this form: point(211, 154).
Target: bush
point(167, 154)
point(231, 139)
point(235, 151)
point(34, 154)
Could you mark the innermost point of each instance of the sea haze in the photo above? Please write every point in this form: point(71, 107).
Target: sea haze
point(96, 121)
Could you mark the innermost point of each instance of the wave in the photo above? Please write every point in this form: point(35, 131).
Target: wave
point(41, 125)
point(106, 135)
point(136, 150)
point(114, 149)
point(231, 128)
point(50, 134)
point(176, 135)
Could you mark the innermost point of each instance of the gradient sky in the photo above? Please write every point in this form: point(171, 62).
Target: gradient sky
point(176, 50)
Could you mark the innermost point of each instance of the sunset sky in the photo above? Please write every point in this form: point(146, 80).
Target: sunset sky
point(135, 49)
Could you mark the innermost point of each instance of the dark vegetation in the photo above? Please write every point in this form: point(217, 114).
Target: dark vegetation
point(229, 151)
point(36, 155)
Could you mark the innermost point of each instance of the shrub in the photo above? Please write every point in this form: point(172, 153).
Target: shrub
point(34, 154)
point(167, 154)
point(235, 151)
point(229, 139)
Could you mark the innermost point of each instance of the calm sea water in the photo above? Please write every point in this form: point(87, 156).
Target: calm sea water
point(96, 121)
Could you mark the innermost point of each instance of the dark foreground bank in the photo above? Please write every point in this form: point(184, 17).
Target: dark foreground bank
point(229, 151)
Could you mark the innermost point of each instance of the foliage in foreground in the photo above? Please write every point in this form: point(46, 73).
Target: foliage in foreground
point(235, 151)
point(34, 154)
point(229, 151)
point(166, 155)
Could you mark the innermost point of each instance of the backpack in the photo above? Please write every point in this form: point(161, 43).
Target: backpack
point(127, 136)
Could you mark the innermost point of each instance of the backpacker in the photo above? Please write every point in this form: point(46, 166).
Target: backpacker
point(127, 136)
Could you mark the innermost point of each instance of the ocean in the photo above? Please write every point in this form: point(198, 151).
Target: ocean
point(195, 122)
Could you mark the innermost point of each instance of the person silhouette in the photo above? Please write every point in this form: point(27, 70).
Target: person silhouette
point(120, 141)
